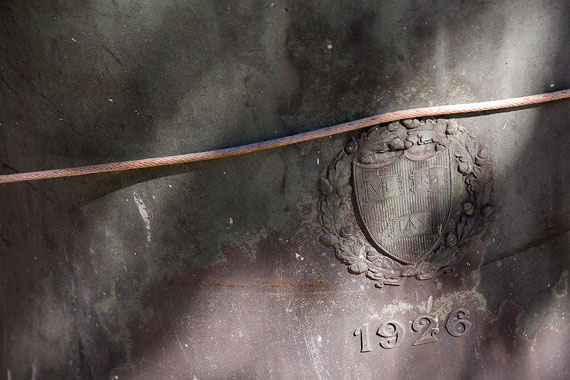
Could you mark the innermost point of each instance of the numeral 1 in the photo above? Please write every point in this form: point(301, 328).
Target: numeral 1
point(364, 343)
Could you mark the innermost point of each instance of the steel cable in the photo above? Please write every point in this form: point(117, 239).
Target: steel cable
point(282, 141)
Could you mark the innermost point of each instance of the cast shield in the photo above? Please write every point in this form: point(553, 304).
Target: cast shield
point(405, 203)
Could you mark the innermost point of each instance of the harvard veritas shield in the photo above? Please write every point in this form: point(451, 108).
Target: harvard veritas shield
point(405, 203)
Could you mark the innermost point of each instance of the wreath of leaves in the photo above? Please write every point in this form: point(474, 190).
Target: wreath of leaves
point(337, 212)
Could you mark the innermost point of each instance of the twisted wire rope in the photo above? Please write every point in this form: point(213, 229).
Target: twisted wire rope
point(294, 139)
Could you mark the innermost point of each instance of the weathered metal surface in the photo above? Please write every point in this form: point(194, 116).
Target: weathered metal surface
point(215, 270)
point(417, 191)
point(405, 203)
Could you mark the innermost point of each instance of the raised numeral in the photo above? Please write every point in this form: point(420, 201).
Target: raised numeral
point(392, 333)
point(363, 332)
point(458, 323)
point(427, 327)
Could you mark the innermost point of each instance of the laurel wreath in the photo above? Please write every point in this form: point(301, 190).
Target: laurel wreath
point(337, 213)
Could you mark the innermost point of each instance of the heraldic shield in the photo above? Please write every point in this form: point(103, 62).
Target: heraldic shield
point(400, 200)
point(405, 203)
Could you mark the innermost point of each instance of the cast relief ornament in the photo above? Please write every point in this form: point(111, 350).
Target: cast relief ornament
point(401, 199)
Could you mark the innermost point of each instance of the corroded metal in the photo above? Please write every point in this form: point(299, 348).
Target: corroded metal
point(392, 332)
point(458, 322)
point(401, 199)
point(404, 203)
point(234, 283)
point(423, 330)
point(428, 328)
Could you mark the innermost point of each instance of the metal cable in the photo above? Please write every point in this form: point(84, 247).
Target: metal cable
point(301, 137)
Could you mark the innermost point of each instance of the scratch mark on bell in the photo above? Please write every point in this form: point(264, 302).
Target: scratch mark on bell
point(146, 216)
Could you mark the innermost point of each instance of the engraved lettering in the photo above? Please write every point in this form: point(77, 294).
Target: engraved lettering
point(391, 188)
point(458, 323)
point(379, 188)
point(415, 222)
point(410, 225)
point(364, 343)
point(437, 177)
point(423, 325)
point(375, 189)
point(425, 180)
point(441, 170)
point(421, 180)
point(392, 333)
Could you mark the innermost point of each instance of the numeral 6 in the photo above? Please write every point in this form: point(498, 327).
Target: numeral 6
point(458, 323)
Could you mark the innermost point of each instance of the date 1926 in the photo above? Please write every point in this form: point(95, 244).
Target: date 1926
point(392, 333)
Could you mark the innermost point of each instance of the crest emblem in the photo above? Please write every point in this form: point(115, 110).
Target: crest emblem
point(400, 200)
point(404, 203)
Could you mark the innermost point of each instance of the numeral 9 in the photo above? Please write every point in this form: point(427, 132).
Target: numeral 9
point(392, 333)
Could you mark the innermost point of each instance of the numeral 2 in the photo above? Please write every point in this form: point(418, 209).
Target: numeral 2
point(427, 326)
